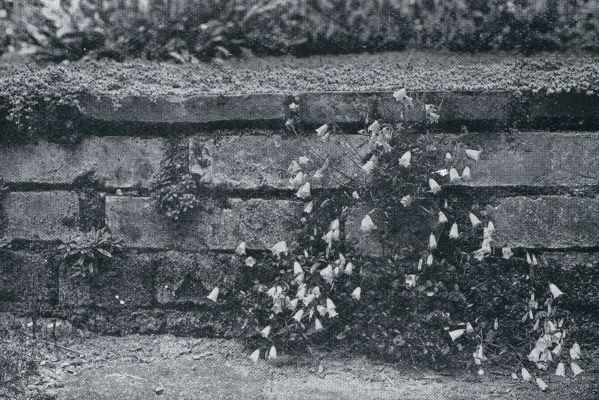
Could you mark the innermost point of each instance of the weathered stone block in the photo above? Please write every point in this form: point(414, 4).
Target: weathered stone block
point(197, 109)
point(119, 162)
point(251, 162)
point(187, 278)
point(552, 222)
point(128, 277)
point(347, 107)
point(260, 223)
point(26, 281)
point(408, 237)
point(40, 215)
point(536, 159)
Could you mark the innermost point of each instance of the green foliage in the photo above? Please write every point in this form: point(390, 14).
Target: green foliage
point(173, 188)
point(436, 299)
point(86, 253)
point(188, 31)
point(33, 106)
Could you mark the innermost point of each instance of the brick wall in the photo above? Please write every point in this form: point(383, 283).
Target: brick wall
point(543, 187)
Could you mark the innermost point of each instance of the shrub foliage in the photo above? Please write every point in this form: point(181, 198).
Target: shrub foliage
point(192, 30)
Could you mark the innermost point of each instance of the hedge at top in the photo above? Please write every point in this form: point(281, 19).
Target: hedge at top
point(205, 29)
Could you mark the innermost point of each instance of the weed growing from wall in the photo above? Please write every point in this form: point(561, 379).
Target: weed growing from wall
point(87, 253)
point(173, 188)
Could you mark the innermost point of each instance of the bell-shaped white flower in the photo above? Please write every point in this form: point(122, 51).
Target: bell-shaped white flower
point(557, 349)
point(491, 227)
point(454, 176)
point(456, 334)
point(435, 187)
point(507, 252)
point(405, 159)
point(400, 94)
point(466, 174)
point(308, 299)
point(272, 354)
point(453, 232)
point(279, 248)
point(473, 154)
point(298, 180)
point(317, 325)
point(420, 262)
point(448, 157)
point(327, 274)
point(410, 280)
point(294, 168)
point(255, 356)
point(309, 207)
point(322, 130)
point(432, 242)
point(526, 375)
point(356, 293)
point(292, 304)
point(541, 384)
point(303, 160)
point(349, 268)
point(561, 369)
point(213, 294)
point(367, 225)
point(406, 201)
point(374, 127)
point(442, 218)
point(575, 351)
point(301, 291)
point(322, 310)
point(469, 328)
point(265, 332)
point(576, 370)
point(370, 165)
point(304, 191)
point(299, 315)
point(474, 220)
point(330, 304)
point(429, 260)
point(240, 250)
point(555, 291)
point(315, 291)
point(250, 261)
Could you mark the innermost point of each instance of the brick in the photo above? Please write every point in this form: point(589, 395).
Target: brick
point(197, 109)
point(537, 159)
point(118, 162)
point(347, 107)
point(252, 162)
point(40, 215)
point(552, 222)
point(187, 278)
point(129, 276)
point(260, 223)
point(408, 237)
point(26, 281)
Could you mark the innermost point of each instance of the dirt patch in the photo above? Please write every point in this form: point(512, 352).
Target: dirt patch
point(78, 365)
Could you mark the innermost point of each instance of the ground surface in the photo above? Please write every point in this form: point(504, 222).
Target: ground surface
point(362, 72)
point(168, 367)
